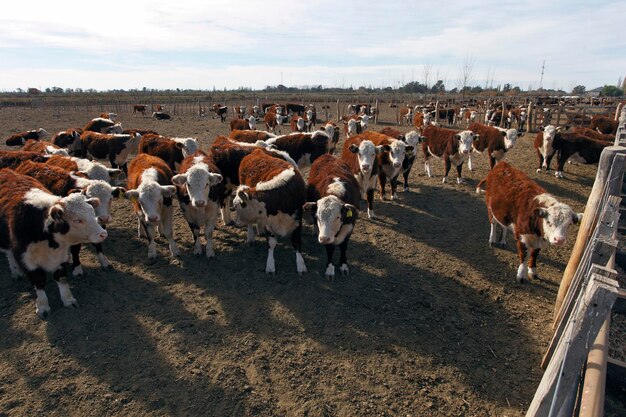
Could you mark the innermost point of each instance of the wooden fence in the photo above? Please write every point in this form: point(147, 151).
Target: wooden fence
point(576, 361)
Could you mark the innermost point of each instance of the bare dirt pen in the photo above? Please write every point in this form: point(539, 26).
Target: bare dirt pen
point(430, 321)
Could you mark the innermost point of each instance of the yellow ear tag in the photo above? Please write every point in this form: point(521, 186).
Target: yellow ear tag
point(349, 213)
point(134, 199)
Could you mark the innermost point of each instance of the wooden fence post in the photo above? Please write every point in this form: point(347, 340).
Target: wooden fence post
point(338, 117)
point(558, 115)
point(618, 110)
point(376, 112)
point(503, 118)
point(437, 112)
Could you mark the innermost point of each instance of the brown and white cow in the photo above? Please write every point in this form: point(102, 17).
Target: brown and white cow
point(20, 139)
point(68, 139)
point(418, 120)
point(37, 230)
point(405, 115)
point(11, 159)
point(92, 169)
point(360, 155)
point(333, 197)
point(62, 183)
point(159, 115)
point(332, 130)
point(220, 111)
point(453, 146)
point(99, 125)
point(151, 191)
point(515, 202)
point(44, 147)
point(310, 118)
point(492, 141)
point(200, 190)
point(243, 124)
point(115, 148)
point(543, 146)
point(271, 196)
point(273, 121)
point(604, 124)
point(573, 147)
point(297, 123)
point(412, 140)
point(110, 116)
point(303, 148)
point(171, 150)
point(140, 108)
point(250, 136)
point(594, 134)
point(390, 159)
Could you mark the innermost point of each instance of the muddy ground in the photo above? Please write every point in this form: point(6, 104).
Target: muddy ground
point(430, 322)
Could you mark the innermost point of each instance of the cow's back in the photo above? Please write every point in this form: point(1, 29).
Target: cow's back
point(143, 162)
point(324, 171)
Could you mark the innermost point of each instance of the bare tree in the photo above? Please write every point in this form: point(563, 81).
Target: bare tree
point(466, 72)
point(426, 74)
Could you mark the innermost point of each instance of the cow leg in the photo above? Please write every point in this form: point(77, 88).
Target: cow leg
point(197, 244)
point(560, 165)
point(38, 279)
point(370, 204)
point(166, 229)
point(492, 161)
point(149, 232)
point(296, 241)
point(64, 288)
point(547, 162)
point(14, 267)
point(330, 268)
point(406, 170)
point(459, 169)
point(493, 233)
point(251, 234)
point(469, 162)
point(540, 158)
point(225, 210)
point(382, 180)
point(394, 187)
point(532, 264)
point(104, 262)
point(447, 165)
point(343, 259)
point(77, 267)
point(209, 227)
point(503, 237)
point(270, 264)
point(522, 270)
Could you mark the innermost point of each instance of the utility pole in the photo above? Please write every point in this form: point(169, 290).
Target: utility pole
point(543, 67)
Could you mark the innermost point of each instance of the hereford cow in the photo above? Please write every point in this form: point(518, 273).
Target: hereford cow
point(271, 196)
point(604, 125)
point(360, 155)
point(332, 130)
point(295, 109)
point(452, 146)
point(569, 146)
point(62, 183)
point(200, 191)
point(115, 148)
point(170, 150)
point(491, 141)
point(594, 134)
point(240, 112)
point(159, 115)
point(412, 140)
point(418, 120)
point(220, 111)
point(389, 160)
point(44, 147)
point(151, 192)
point(68, 139)
point(92, 169)
point(333, 197)
point(273, 121)
point(405, 115)
point(303, 148)
point(110, 116)
point(250, 136)
point(20, 139)
point(352, 125)
point(297, 124)
point(310, 118)
point(515, 202)
point(37, 230)
point(99, 125)
point(243, 124)
point(543, 146)
point(140, 108)
point(11, 159)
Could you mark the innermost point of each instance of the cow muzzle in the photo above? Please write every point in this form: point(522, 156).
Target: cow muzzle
point(558, 240)
point(154, 218)
point(99, 237)
point(199, 203)
point(326, 240)
point(104, 219)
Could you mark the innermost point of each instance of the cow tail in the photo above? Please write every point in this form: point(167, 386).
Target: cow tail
point(479, 189)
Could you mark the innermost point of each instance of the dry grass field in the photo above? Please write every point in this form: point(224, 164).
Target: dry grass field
point(430, 322)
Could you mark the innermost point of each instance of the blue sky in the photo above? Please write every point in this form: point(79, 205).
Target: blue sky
point(245, 43)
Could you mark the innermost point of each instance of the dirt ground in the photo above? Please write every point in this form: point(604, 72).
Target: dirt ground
point(430, 322)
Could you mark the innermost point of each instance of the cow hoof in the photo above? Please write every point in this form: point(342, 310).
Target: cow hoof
point(394, 197)
point(344, 270)
point(210, 255)
point(444, 180)
point(71, 303)
point(78, 271)
point(43, 314)
point(460, 181)
point(492, 244)
point(330, 272)
point(538, 170)
point(406, 189)
point(197, 251)
point(108, 267)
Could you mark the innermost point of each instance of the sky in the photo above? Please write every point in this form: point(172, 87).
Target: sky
point(163, 44)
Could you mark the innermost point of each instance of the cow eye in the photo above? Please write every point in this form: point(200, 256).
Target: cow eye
point(78, 221)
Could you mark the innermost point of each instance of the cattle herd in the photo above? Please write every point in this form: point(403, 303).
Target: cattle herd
point(56, 195)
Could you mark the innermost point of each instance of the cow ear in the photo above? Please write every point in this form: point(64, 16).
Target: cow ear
point(168, 190)
point(353, 148)
point(132, 195)
point(114, 172)
point(541, 128)
point(215, 179)
point(477, 136)
point(422, 139)
point(503, 133)
point(577, 217)
point(542, 213)
point(457, 137)
point(179, 179)
point(94, 202)
point(76, 190)
point(118, 192)
point(310, 207)
point(56, 212)
point(179, 145)
point(349, 212)
point(409, 149)
point(386, 148)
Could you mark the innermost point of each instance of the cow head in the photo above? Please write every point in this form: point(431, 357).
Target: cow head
point(464, 140)
point(428, 117)
point(252, 121)
point(309, 115)
point(198, 181)
point(74, 218)
point(397, 152)
point(331, 214)
point(556, 220)
point(249, 209)
point(412, 139)
point(300, 124)
point(53, 150)
point(148, 197)
point(366, 154)
point(510, 137)
point(115, 129)
point(104, 192)
point(189, 146)
point(364, 121)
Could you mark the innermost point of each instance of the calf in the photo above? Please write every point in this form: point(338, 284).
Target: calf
point(297, 124)
point(11, 159)
point(140, 108)
point(250, 136)
point(271, 195)
point(389, 161)
point(543, 146)
point(333, 198)
point(536, 218)
point(332, 131)
point(273, 121)
point(151, 192)
point(220, 111)
point(452, 146)
point(310, 119)
point(405, 115)
point(604, 125)
point(99, 125)
point(492, 141)
point(200, 191)
point(352, 126)
point(360, 155)
point(115, 148)
point(68, 139)
point(159, 115)
point(576, 148)
point(243, 124)
point(303, 148)
point(44, 147)
point(20, 139)
point(37, 230)
point(62, 183)
point(412, 140)
point(170, 150)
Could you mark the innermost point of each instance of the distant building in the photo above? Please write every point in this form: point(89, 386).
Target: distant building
point(593, 93)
